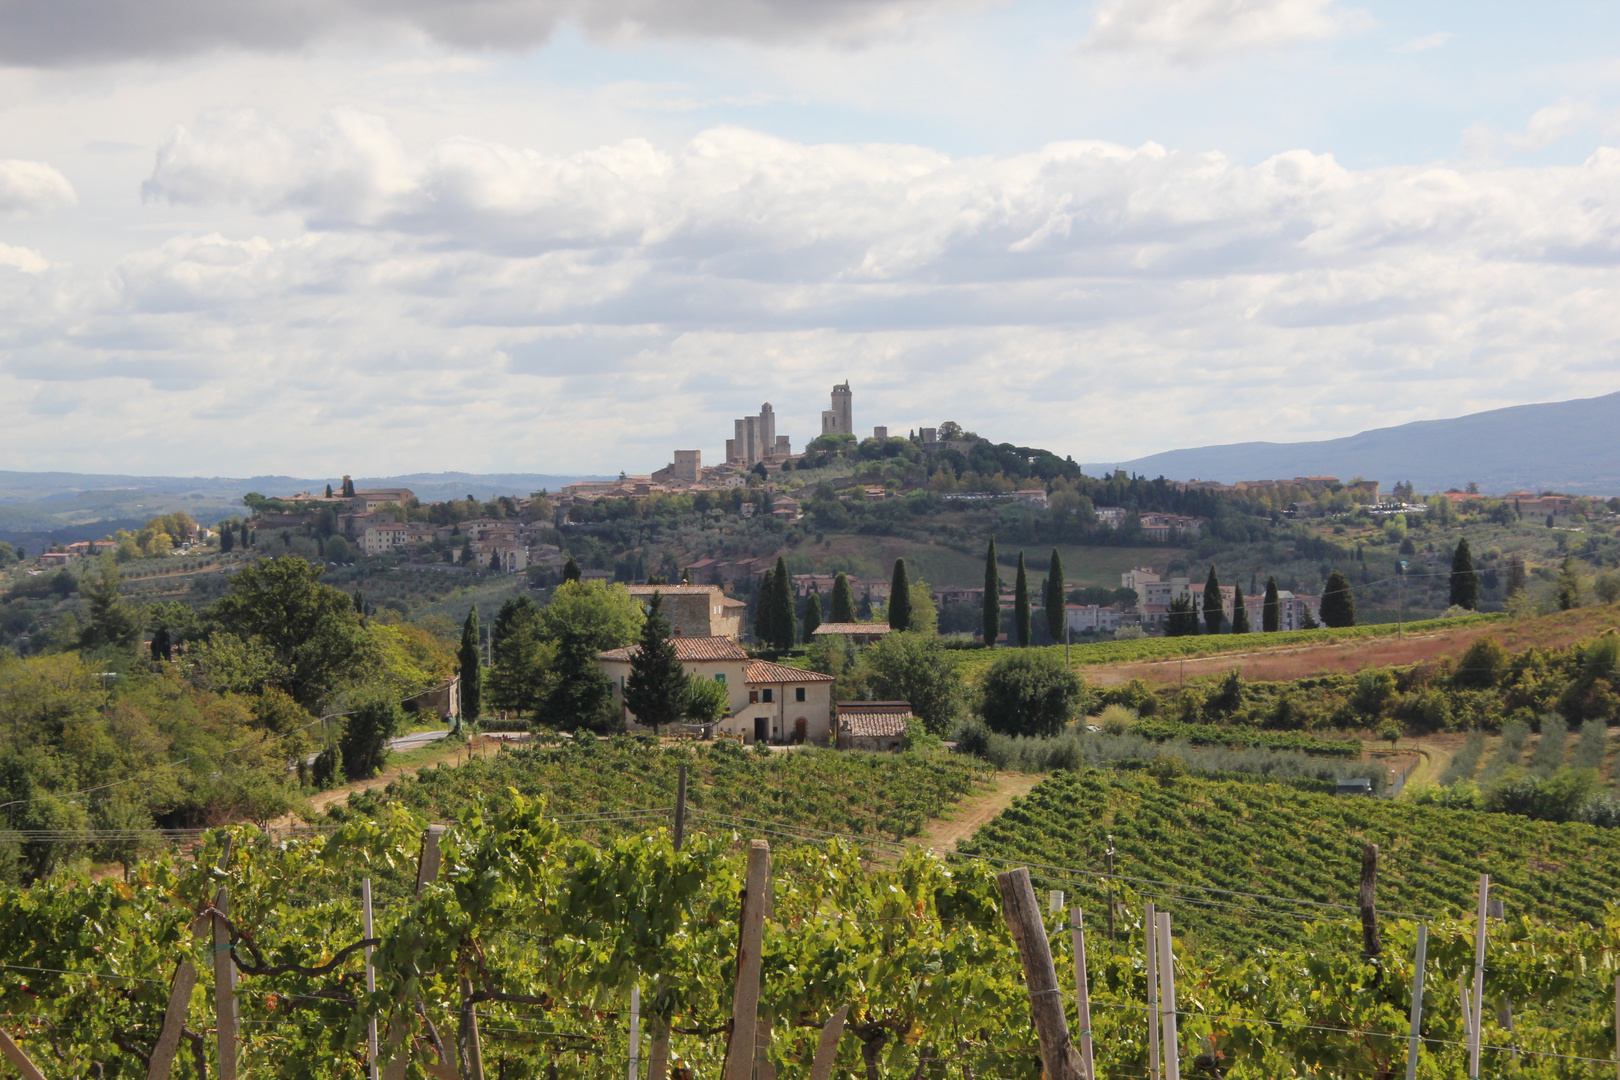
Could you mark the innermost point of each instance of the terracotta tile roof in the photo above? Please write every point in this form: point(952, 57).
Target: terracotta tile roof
point(763, 671)
point(851, 628)
point(873, 724)
point(688, 648)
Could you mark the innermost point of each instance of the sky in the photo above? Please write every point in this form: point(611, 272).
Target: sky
point(317, 237)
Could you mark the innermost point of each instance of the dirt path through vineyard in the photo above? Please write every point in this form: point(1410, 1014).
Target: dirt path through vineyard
point(944, 833)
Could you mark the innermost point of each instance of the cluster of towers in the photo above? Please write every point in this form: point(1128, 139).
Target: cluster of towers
point(755, 438)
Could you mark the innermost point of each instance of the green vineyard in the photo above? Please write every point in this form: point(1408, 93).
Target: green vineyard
point(887, 796)
point(505, 947)
point(1193, 841)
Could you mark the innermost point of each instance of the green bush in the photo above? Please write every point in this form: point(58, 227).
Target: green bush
point(1030, 693)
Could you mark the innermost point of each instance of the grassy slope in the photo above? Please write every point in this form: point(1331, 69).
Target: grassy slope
point(1276, 840)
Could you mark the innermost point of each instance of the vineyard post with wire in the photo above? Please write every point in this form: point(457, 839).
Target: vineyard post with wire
point(1167, 998)
point(1151, 968)
point(1479, 976)
point(1082, 993)
point(1414, 1039)
point(1023, 918)
point(25, 1065)
point(750, 942)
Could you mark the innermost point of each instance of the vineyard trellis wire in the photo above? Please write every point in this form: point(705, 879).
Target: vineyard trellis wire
point(597, 919)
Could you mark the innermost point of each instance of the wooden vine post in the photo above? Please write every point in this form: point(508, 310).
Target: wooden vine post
point(226, 1017)
point(427, 870)
point(371, 979)
point(827, 1046)
point(745, 996)
point(658, 1052)
point(1167, 981)
point(1150, 936)
point(1475, 1032)
point(1082, 993)
point(1413, 1040)
point(1023, 915)
point(21, 1062)
point(174, 1018)
point(1497, 911)
point(1371, 946)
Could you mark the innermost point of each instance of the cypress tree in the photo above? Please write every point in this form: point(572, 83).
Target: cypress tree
point(1338, 602)
point(1212, 603)
point(1056, 598)
point(764, 611)
point(1569, 585)
point(162, 647)
point(899, 598)
point(328, 491)
point(812, 616)
point(1182, 619)
point(348, 488)
point(472, 667)
point(1240, 614)
point(657, 687)
point(571, 571)
point(359, 601)
point(1271, 614)
point(1464, 582)
point(843, 601)
point(992, 597)
point(783, 631)
point(1021, 625)
point(227, 537)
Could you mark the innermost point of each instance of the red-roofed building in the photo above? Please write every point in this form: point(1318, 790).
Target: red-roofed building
point(770, 703)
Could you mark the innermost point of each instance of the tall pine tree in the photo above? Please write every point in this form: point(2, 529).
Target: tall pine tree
point(783, 630)
point(656, 691)
point(1464, 581)
point(1240, 614)
point(812, 616)
point(843, 601)
point(1213, 615)
point(471, 664)
point(1271, 611)
point(899, 598)
point(1021, 624)
point(992, 597)
point(1056, 598)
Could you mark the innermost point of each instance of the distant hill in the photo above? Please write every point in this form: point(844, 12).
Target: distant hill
point(1571, 446)
point(37, 509)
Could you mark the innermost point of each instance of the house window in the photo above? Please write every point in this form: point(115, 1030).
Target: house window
point(765, 695)
point(720, 678)
point(753, 697)
point(798, 693)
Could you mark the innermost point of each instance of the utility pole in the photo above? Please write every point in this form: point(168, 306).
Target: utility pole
point(1400, 594)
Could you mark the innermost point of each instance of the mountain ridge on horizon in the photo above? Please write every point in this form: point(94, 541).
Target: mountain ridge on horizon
point(1571, 446)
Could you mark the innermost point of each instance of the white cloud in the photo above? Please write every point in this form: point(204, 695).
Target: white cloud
point(32, 188)
point(1425, 43)
point(27, 260)
point(1550, 124)
point(68, 32)
point(1197, 29)
point(515, 304)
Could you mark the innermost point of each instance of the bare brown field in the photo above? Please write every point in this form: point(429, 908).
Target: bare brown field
point(1303, 661)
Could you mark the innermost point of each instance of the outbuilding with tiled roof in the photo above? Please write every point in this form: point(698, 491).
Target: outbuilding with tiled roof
point(873, 725)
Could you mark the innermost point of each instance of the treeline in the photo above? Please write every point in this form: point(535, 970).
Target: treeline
point(214, 719)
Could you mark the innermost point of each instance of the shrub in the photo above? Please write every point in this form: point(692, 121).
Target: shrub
point(1030, 693)
point(1116, 719)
